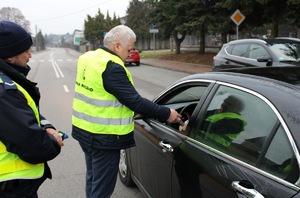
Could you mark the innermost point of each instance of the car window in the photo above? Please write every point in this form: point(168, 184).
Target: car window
point(280, 159)
point(184, 100)
point(286, 51)
point(257, 51)
point(239, 50)
point(187, 94)
point(241, 124)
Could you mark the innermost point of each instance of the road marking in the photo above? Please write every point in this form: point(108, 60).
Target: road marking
point(66, 88)
point(57, 70)
point(58, 60)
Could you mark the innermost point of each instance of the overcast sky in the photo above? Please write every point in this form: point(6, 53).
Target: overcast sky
point(64, 16)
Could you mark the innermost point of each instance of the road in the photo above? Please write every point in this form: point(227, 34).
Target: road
point(55, 72)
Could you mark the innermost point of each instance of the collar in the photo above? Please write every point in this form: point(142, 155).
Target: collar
point(22, 70)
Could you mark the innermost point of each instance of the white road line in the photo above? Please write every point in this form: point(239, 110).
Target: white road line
point(66, 88)
point(57, 70)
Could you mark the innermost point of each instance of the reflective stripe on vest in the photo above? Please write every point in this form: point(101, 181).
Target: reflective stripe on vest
point(11, 166)
point(94, 109)
point(223, 139)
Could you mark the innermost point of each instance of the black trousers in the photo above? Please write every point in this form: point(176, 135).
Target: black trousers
point(21, 188)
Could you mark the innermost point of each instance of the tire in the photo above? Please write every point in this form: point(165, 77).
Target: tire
point(124, 170)
point(137, 63)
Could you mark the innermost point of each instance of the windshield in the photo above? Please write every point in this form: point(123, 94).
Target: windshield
point(286, 51)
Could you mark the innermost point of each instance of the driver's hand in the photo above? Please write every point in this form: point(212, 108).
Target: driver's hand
point(174, 117)
point(183, 127)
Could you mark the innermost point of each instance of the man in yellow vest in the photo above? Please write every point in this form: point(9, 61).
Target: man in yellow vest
point(27, 139)
point(104, 104)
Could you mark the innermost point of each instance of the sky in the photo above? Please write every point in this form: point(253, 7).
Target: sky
point(64, 16)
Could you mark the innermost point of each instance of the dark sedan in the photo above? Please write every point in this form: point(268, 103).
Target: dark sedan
point(241, 139)
point(258, 53)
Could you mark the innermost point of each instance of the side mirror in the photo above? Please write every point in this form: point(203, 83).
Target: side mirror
point(266, 60)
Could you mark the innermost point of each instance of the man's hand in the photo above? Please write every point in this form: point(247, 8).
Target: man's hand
point(56, 135)
point(174, 117)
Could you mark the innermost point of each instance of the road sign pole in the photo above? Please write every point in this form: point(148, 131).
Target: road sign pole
point(154, 42)
point(237, 18)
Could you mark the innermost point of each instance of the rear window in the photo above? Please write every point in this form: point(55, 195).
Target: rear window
point(239, 50)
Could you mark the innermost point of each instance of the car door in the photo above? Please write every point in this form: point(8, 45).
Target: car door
point(157, 141)
point(260, 161)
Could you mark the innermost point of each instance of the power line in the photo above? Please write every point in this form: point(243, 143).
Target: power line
point(53, 18)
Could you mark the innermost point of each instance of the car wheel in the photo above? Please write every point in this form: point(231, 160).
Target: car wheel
point(124, 170)
point(137, 63)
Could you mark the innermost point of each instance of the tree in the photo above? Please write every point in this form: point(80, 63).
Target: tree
point(14, 15)
point(170, 17)
point(199, 17)
point(273, 12)
point(40, 41)
point(94, 27)
point(138, 19)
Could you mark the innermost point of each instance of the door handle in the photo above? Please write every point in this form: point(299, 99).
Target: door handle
point(248, 192)
point(166, 146)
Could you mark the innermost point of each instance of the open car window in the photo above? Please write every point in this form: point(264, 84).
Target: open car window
point(185, 98)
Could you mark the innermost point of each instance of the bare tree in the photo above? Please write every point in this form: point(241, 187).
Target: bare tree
point(14, 15)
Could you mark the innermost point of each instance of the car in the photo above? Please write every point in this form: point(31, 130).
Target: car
point(133, 57)
point(257, 155)
point(258, 53)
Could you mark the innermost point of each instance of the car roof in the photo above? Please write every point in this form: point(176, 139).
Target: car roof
point(288, 39)
point(266, 41)
point(287, 75)
point(247, 41)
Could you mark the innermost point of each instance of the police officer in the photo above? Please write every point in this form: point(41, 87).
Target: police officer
point(104, 104)
point(27, 139)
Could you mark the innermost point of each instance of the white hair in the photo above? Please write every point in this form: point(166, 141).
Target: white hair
point(120, 34)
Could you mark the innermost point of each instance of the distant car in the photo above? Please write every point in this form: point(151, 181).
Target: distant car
point(258, 53)
point(261, 159)
point(133, 58)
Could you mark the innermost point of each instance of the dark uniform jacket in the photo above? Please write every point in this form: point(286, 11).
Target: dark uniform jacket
point(19, 130)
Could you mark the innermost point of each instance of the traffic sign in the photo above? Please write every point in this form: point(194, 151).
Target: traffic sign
point(237, 17)
point(153, 30)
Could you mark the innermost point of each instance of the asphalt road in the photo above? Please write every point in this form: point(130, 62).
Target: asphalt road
point(55, 72)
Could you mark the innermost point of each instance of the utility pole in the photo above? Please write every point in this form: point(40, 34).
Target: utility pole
point(36, 40)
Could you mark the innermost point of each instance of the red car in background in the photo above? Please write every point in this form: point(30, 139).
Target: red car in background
point(133, 57)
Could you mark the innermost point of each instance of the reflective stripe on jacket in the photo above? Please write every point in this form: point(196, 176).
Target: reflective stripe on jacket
point(223, 139)
point(11, 166)
point(94, 109)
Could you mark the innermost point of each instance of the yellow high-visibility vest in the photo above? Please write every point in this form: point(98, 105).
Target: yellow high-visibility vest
point(223, 139)
point(94, 109)
point(11, 166)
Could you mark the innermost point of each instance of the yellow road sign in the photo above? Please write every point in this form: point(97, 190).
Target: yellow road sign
point(237, 17)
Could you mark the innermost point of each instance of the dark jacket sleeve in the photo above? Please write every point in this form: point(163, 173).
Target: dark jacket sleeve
point(20, 132)
point(117, 83)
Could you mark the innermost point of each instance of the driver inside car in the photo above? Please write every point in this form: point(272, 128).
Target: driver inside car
point(222, 125)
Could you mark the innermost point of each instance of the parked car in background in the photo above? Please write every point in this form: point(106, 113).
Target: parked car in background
point(133, 57)
point(256, 154)
point(258, 53)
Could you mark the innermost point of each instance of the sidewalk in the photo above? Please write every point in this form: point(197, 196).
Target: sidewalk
point(166, 64)
point(177, 66)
